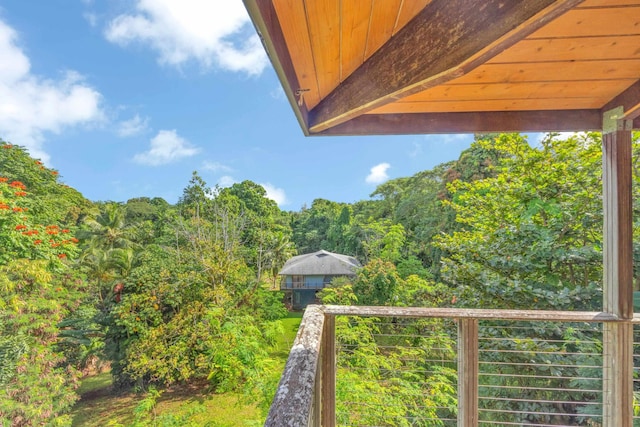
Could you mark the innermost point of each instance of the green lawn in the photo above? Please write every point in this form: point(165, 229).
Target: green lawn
point(291, 324)
point(99, 406)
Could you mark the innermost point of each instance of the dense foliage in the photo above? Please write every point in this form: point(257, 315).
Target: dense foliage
point(38, 290)
point(168, 294)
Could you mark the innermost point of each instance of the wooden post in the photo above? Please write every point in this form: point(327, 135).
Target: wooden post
point(329, 371)
point(468, 373)
point(618, 270)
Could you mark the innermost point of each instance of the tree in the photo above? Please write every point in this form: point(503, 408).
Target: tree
point(38, 291)
point(281, 249)
point(532, 232)
point(530, 237)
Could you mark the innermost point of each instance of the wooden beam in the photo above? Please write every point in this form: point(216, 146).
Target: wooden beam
point(617, 174)
point(629, 100)
point(329, 372)
point(468, 372)
point(617, 375)
point(265, 20)
point(444, 41)
point(618, 268)
point(472, 313)
point(476, 122)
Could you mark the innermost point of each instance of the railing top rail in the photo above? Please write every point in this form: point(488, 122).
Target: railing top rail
point(292, 403)
point(476, 313)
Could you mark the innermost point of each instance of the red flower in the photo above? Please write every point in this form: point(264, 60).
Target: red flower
point(62, 256)
point(20, 227)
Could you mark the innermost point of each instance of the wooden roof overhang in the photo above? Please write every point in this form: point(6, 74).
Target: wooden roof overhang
point(358, 67)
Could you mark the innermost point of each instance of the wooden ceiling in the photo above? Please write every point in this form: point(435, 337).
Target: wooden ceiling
point(446, 66)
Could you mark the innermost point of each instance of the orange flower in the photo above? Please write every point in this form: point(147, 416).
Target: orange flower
point(62, 256)
point(66, 230)
point(17, 209)
point(38, 162)
point(4, 206)
point(74, 240)
point(55, 245)
point(37, 242)
point(3, 179)
point(18, 184)
point(20, 227)
point(20, 193)
point(54, 173)
point(7, 146)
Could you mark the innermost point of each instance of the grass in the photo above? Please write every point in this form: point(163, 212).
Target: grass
point(291, 324)
point(99, 406)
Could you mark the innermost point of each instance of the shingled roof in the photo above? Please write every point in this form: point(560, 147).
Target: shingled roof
point(321, 263)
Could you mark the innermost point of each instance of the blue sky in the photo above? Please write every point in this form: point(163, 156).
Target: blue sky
point(127, 98)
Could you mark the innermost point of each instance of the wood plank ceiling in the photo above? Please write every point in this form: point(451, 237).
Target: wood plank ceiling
point(433, 66)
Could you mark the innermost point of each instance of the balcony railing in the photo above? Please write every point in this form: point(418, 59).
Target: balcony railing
point(493, 367)
point(303, 286)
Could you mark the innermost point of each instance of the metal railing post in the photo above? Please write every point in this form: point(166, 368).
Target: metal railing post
point(467, 372)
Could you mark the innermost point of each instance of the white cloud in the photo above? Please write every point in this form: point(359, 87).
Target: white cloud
point(558, 135)
point(417, 150)
point(278, 93)
point(166, 147)
point(91, 18)
point(276, 194)
point(378, 174)
point(226, 181)
point(453, 138)
point(133, 126)
point(213, 33)
point(215, 167)
point(32, 106)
